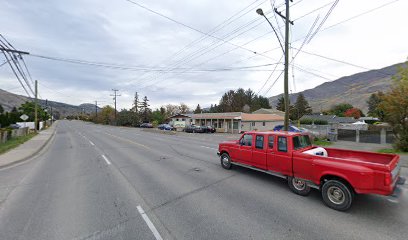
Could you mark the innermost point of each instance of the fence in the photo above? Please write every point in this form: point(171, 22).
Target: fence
point(7, 135)
point(379, 136)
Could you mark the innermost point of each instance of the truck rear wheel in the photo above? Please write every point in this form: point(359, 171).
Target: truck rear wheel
point(337, 195)
point(298, 186)
point(226, 161)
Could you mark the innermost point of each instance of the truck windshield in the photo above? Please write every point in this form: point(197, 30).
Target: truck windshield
point(302, 141)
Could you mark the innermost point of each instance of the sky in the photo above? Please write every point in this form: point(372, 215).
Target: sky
point(179, 51)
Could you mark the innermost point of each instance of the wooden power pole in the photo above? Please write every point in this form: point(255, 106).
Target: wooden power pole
point(36, 107)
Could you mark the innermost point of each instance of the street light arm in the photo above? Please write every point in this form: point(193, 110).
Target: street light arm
point(277, 36)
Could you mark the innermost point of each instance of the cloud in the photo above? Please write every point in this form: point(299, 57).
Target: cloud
point(118, 32)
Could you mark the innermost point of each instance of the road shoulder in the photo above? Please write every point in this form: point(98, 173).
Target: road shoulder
point(28, 149)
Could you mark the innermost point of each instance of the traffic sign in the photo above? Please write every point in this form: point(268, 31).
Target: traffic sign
point(24, 117)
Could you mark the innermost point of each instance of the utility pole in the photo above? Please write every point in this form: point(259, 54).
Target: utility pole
point(286, 74)
point(114, 99)
point(96, 109)
point(286, 52)
point(35, 107)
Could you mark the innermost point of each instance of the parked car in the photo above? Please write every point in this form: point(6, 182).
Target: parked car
point(339, 174)
point(14, 126)
point(209, 129)
point(291, 128)
point(194, 129)
point(165, 127)
point(146, 125)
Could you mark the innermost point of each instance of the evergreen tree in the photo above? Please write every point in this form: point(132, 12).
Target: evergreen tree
point(136, 103)
point(1, 109)
point(198, 109)
point(373, 105)
point(301, 107)
point(144, 108)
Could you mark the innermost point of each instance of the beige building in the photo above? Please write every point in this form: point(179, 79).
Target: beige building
point(236, 122)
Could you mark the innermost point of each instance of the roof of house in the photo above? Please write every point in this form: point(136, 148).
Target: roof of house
point(239, 116)
point(261, 117)
point(180, 116)
point(269, 111)
point(330, 118)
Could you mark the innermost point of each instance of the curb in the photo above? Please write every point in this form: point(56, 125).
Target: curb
point(33, 154)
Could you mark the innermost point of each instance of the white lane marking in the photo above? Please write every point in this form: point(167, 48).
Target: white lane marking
point(106, 159)
point(93, 144)
point(209, 147)
point(149, 223)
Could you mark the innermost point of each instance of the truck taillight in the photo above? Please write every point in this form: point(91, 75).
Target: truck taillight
point(387, 179)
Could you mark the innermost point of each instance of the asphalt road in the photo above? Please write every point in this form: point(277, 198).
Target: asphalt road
point(93, 181)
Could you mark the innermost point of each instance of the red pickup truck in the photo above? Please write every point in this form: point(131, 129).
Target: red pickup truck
point(339, 174)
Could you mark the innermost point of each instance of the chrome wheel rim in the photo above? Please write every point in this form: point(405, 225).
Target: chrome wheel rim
point(225, 161)
point(298, 184)
point(336, 195)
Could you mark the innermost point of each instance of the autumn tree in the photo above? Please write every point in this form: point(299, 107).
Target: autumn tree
point(394, 104)
point(354, 112)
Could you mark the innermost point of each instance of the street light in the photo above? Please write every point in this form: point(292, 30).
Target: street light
point(286, 53)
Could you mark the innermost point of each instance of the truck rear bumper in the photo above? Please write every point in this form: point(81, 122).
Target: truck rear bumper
point(397, 190)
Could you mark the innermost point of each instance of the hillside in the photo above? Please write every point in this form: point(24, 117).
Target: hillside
point(9, 100)
point(354, 89)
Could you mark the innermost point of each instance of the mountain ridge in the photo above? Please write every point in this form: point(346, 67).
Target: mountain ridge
point(354, 89)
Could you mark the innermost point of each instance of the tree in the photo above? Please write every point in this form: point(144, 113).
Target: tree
point(340, 109)
point(136, 103)
point(234, 101)
point(144, 109)
point(281, 104)
point(28, 108)
point(198, 109)
point(354, 112)
point(106, 115)
point(158, 116)
point(183, 108)
point(373, 105)
point(1, 109)
point(126, 118)
point(301, 107)
point(394, 104)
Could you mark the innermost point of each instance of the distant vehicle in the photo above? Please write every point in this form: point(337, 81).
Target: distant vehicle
point(339, 174)
point(194, 129)
point(146, 125)
point(165, 127)
point(209, 129)
point(14, 126)
point(291, 128)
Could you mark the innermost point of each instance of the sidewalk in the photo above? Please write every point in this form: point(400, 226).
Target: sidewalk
point(371, 147)
point(27, 149)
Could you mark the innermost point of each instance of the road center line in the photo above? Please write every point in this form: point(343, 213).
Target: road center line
point(209, 147)
point(106, 159)
point(149, 223)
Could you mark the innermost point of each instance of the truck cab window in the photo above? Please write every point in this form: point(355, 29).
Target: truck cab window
point(282, 144)
point(247, 140)
point(270, 141)
point(259, 142)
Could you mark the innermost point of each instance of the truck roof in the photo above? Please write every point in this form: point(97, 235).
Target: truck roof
point(281, 133)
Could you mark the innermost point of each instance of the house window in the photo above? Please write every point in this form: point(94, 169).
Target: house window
point(253, 124)
point(183, 119)
point(263, 124)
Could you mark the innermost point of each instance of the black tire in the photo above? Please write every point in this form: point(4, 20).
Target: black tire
point(337, 195)
point(298, 186)
point(225, 161)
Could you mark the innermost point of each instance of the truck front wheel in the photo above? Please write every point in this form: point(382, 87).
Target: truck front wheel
point(226, 161)
point(298, 186)
point(337, 195)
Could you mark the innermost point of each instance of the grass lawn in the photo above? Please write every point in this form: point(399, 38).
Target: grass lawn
point(14, 142)
point(321, 142)
point(391, 150)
